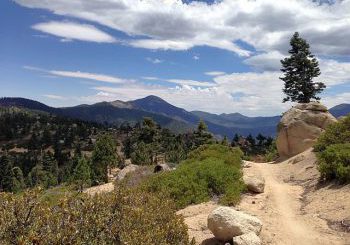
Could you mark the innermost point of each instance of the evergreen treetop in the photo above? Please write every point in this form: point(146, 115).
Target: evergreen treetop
point(299, 71)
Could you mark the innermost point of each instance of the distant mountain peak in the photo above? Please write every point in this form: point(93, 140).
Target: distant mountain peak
point(150, 98)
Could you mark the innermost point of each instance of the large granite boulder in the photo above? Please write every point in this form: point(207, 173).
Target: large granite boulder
point(300, 127)
point(226, 223)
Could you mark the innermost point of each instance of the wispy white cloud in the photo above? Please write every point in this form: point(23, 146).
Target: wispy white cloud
point(69, 31)
point(90, 76)
point(151, 78)
point(191, 82)
point(81, 75)
point(215, 73)
point(196, 57)
point(154, 60)
point(55, 97)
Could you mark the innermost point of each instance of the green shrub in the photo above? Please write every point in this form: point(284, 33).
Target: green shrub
point(333, 151)
point(334, 162)
point(272, 153)
point(122, 217)
point(336, 133)
point(209, 171)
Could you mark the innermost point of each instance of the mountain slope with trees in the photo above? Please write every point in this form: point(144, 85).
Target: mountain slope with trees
point(168, 116)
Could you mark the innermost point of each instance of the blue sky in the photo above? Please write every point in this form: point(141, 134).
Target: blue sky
point(218, 56)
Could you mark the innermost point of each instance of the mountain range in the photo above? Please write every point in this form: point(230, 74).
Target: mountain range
point(167, 115)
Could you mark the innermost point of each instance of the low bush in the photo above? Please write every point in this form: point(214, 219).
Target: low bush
point(271, 153)
point(333, 151)
point(334, 162)
point(336, 133)
point(209, 171)
point(121, 217)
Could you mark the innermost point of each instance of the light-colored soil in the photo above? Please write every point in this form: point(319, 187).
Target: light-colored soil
point(294, 208)
point(100, 189)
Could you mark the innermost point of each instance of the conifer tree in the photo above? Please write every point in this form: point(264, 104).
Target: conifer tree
point(104, 155)
point(82, 174)
point(201, 135)
point(299, 71)
point(235, 140)
point(225, 141)
point(6, 174)
point(50, 166)
point(17, 179)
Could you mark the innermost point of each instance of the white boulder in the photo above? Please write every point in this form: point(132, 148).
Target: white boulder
point(226, 223)
point(255, 184)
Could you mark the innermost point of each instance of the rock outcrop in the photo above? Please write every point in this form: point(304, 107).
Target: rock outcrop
point(226, 223)
point(300, 127)
point(254, 184)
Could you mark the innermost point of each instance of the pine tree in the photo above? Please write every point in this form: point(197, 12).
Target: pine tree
point(104, 155)
point(299, 71)
point(17, 180)
point(38, 177)
point(201, 135)
point(82, 174)
point(50, 166)
point(6, 174)
point(235, 140)
point(261, 139)
point(224, 141)
point(142, 154)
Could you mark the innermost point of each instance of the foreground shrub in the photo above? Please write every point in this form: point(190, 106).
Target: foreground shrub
point(333, 151)
point(211, 170)
point(122, 217)
point(336, 133)
point(334, 162)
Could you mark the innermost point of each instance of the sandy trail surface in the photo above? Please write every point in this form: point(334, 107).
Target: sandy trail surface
point(281, 208)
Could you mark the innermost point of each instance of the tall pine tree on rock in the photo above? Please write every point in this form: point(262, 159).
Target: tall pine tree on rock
point(299, 71)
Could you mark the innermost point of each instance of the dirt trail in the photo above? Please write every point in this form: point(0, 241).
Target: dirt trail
point(279, 207)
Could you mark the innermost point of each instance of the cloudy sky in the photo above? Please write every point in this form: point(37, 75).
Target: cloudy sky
point(216, 56)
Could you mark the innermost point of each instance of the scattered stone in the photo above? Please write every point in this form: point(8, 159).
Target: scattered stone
point(247, 239)
point(226, 223)
point(246, 164)
point(300, 127)
point(255, 184)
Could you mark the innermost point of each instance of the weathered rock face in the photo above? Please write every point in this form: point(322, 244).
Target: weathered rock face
point(300, 127)
point(226, 223)
point(247, 239)
point(255, 184)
